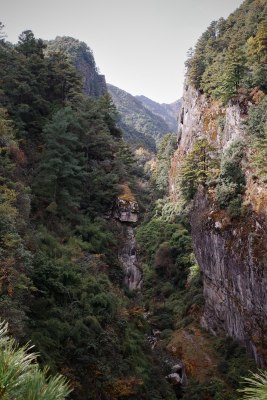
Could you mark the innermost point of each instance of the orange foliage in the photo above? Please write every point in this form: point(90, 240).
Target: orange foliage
point(191, 345)
point(124, 387)
point(256, 95)
point(18, 154)
point(136, 311)
point(125, 193)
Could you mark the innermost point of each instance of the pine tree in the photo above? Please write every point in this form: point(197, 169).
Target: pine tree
point(235, 66)
point(62, 170)
point(199, 166)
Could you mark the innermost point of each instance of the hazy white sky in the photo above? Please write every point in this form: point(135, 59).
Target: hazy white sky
point(140, 45)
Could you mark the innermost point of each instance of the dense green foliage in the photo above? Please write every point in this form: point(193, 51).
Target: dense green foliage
point(160, 176)
point(256, 126)
point(141, 127)
point(20, 375)
point(232, 53)
point(62, 163)
point(199, 167)
point(231, 182)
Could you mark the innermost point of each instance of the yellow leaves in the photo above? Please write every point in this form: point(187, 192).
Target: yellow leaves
point(257, 45)
point(126, 193)
point(5, 124)
point(7, 200)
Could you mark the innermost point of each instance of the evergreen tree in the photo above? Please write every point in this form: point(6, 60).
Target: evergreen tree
point(30, 46)
point(200, 165)
point(61, 172)
point(234, 70)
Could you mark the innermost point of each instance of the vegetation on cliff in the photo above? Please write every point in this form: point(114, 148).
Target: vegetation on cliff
point(81, 56)
point(62, 164)
point(232, 53)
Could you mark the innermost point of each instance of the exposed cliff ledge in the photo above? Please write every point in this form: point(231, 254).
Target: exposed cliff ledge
point(125, 210)
point(231, 253)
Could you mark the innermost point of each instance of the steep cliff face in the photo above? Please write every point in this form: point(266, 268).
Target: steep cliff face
point(232, 257)
point(231, 252)
point(94, 84)
point(199, 118)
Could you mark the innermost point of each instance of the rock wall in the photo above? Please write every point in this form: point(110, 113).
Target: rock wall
point(126, 213)
point(232, 257)
point(94, 84)
point(199, 118)
point(232, 254)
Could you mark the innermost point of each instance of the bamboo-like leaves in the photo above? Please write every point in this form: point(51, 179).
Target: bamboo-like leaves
point(20, 376)
point(256, 386)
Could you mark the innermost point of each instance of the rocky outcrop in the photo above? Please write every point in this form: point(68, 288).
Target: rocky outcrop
point(94, 84)
point(200, 118)
point(126, 212)
point(81, 56)
point(231, 253)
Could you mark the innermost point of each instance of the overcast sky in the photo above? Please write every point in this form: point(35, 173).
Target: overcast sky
point(140, 45)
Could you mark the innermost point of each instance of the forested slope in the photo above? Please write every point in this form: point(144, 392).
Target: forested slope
point(71, 192)
point(140, 125)
point(62, 164)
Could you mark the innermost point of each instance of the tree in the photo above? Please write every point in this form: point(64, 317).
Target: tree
point(199, 166)
point(62, 171)
point(2, 33)
point(234, 70)
point(256, 50)
point(20, 376)
point(29, 46)
point(165, 152)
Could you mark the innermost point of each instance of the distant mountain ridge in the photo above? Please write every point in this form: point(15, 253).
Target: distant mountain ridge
point(168, 112)
point(141, 125)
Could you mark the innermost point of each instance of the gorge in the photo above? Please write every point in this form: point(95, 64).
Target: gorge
point(133, 246)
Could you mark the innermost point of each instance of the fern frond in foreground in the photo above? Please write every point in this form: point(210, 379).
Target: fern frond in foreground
point(256, 386)
point(20, 376)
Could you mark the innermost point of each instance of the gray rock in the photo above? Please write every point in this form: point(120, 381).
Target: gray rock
point(173, 378)
point(232, 256)
point(234, 278)
point(126, 211)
